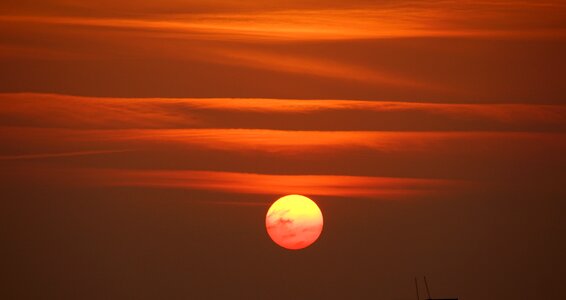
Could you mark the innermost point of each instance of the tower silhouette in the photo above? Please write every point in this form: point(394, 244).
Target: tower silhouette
point(428, 291)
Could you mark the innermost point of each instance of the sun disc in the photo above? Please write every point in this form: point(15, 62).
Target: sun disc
point(294, 222)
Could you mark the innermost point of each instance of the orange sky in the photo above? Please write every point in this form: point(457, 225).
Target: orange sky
point(431, 133)
point(448, 51)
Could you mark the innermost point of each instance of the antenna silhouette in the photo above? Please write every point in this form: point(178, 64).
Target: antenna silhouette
point(427, 290)
point(417, 287)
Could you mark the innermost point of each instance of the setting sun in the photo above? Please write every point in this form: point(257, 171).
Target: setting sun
point(294, 222)
point(143, 144)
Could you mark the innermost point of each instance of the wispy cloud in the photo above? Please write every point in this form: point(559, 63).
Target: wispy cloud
point(55, 155)
point(258, 40)
point(249, 183)
point(48, 110)
point(283, 142)
point(370, 22)
point(292, 63)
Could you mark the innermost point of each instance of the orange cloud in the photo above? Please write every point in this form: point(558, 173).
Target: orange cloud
point(435, 19)
point(47, 110)
point(309, 66)
point(247, 183)
point(64, 154)
point(471, 155)
point(261, 38)
point(278, 142)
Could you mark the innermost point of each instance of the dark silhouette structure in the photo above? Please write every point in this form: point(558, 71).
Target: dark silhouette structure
point(428, 291)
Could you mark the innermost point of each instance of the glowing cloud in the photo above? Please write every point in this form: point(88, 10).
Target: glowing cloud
point(62, 111)
point(250, 183)
point(393, 21)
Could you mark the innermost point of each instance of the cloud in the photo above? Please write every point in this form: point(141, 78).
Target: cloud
point(363, 50)
point(266, 136)
point(63, 111)
point(48, 110)
point(280, 142)
point(270, 184)
point(293, 63)
point(64, 154)
point(180, 143)
point(367, 22)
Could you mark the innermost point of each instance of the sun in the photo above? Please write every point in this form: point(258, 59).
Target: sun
point(294, 222)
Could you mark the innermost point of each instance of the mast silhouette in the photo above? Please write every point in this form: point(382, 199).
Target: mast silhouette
point(427, 291)
point(417, 288)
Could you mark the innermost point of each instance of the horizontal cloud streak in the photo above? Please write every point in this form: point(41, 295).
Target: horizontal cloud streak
point(488, 51)
point(309, 66)
point(478, 156)
point(370, 22)
point(277, 140)
point(323, 185)
point(54, 155)
point(321, 141)
point(412, 154)
point(46, 110)
point(249, 183)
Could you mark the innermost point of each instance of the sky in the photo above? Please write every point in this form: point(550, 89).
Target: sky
point(142, 143)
